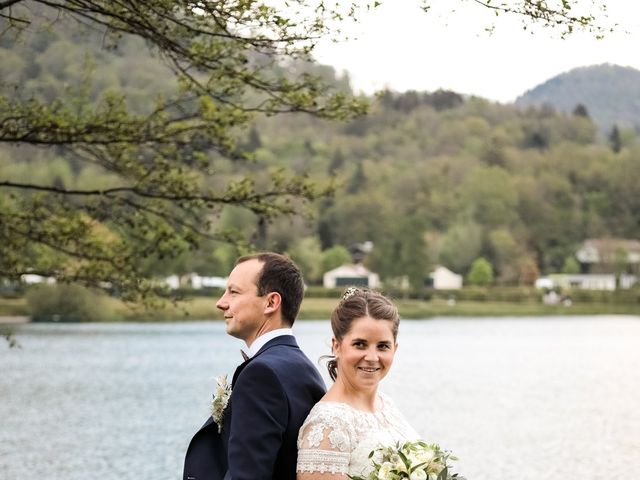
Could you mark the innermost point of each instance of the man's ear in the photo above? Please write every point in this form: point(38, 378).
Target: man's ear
point(274, 301)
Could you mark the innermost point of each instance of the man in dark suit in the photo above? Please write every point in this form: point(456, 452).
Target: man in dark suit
point(272, 391)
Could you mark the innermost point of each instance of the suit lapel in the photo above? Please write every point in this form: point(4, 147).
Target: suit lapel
point(238, 370)
point(227, 410)
point(286, 340)
point(207, 423)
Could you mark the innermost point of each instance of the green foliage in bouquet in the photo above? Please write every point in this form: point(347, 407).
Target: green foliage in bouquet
point(410, 460)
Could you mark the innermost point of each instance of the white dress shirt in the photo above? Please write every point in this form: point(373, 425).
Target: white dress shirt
point(260, 342)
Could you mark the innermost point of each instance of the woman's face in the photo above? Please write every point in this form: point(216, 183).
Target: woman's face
point(365, 353)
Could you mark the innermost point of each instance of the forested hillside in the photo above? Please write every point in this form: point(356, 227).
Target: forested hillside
point(437, 178)
point(610, 93)
point(428, 177)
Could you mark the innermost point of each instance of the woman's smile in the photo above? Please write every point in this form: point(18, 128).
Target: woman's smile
point(369, 369)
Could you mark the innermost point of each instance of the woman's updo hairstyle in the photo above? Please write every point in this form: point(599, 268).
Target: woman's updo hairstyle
point(357, 303)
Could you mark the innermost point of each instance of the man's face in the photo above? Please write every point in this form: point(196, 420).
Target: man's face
point(244, 310)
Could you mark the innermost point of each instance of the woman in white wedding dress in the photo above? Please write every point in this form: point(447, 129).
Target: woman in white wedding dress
point(353, 418)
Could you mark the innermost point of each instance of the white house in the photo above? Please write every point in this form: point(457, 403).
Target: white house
point(592, 281)
point(444, 279)
point(627, 281)
point(587, 281)
point(351, 274)
point(199, 282)
point(545, 282)
point(601, 255)
point(173, 282)
point(32, 279)
point(195, 281)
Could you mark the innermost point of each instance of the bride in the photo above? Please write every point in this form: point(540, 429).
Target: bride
point(353, 418)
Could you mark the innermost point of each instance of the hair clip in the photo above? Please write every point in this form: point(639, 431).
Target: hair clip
point(350, 292)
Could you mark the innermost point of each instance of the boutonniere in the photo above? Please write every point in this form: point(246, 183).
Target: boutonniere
point(220, 400)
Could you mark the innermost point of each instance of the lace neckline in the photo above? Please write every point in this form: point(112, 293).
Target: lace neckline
point(348, 406)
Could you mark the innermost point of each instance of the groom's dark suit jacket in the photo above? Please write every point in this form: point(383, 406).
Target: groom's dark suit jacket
point(272, 394)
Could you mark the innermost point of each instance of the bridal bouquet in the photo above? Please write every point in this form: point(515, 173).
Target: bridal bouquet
point(410, 460)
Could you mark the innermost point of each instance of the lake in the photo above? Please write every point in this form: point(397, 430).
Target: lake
point(514, 398)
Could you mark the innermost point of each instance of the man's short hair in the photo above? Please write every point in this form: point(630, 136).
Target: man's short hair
point(279, 274)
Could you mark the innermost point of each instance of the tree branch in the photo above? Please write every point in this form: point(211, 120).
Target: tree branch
point(8, 3)
point(250, 198)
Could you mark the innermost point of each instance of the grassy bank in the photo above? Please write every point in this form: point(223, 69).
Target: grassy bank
point(201, 308)
point(10, 307)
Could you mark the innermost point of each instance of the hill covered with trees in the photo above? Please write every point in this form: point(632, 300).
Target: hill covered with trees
point(610, 94)
point(439, 178)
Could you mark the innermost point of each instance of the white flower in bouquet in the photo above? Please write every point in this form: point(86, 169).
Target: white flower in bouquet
point(398, 463)
point(384, 471)
point(418, 474)
point(220, 400)
point(410, 460)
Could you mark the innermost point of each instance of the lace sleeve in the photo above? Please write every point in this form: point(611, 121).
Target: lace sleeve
point(324, 442)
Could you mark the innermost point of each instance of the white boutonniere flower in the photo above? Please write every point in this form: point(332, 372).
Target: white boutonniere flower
point(220, 400)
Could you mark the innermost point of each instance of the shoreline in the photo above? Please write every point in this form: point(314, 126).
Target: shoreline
point(164, 317)
point(14, 319)
point(313, 308)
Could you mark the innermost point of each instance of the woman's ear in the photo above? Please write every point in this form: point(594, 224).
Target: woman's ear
point(334, 345)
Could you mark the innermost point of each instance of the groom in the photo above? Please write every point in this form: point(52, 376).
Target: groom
point(273, 390)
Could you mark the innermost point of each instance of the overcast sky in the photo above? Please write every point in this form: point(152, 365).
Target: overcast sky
point(401, 47)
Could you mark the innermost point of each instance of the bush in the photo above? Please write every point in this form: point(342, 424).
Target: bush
point(493, 294)
point(473, 294)
point(316, 291)
point(67, 303)
point(481, 272)
point(604, 296)
point(210, 292)
point(9, 289)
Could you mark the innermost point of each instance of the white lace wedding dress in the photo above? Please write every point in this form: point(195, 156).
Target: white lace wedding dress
point(337, 438)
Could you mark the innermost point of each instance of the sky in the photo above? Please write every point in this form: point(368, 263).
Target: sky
point(400, 47)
